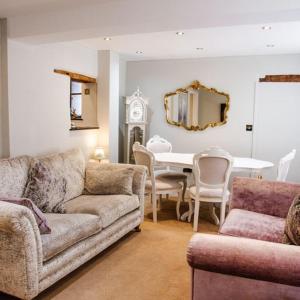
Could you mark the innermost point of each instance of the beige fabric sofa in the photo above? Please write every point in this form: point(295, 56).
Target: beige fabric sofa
point(30, 262)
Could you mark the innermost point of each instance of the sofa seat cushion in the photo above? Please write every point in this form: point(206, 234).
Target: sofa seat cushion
point(108, 208)
point(248, 224)
point(67, 230)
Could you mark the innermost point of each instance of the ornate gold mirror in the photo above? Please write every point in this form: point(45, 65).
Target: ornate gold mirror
point(196, 107)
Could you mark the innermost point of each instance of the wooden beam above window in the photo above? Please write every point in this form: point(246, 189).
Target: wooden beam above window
point(280, 78)
point(76, 76)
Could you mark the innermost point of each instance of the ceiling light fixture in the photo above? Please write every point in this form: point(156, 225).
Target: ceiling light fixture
point(180, 33)
point(270, 45)
point(266, 27)
point(139, 52)
point(107, 38)
point(199, 48)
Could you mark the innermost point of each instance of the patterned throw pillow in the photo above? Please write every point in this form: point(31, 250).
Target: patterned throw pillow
point(46, 187)
point(109, 182)
point(292, 225)
point(39, 216)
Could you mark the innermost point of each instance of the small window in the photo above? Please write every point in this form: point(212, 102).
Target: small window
point(76, 100)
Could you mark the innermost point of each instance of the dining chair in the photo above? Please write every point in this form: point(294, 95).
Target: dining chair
point(158, 144)
point(212, 169)
point(160, 184)
point(284, 165)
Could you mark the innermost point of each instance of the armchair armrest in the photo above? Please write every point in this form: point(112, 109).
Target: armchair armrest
point(267, 197)
point(244, 257)
point(20, 251)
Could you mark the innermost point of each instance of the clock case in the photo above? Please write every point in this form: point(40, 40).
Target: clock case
point(135, 128)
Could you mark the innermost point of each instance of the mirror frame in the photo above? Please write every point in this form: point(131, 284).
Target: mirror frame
point(196, 85)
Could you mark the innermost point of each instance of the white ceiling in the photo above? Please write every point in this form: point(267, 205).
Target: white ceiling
point(44, 21)
point(222, 28)
point(9, 8)
point(217, 41)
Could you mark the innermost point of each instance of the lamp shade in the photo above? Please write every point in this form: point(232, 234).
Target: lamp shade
point(99, 153)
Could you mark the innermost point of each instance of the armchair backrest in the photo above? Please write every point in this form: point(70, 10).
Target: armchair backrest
point(262, 196)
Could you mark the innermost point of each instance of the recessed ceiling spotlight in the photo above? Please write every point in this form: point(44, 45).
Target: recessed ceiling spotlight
point(139, 52)
point(180, 33)
point(107, 38)
point(270, 45)
point(266, 27)
point(199, 48)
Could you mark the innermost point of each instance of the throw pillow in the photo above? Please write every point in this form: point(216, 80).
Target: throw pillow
point(46, 187)
point(109, 182)
point(292, 225)
point(38, 215)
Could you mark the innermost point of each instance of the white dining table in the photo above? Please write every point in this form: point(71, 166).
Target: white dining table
point(185, 160)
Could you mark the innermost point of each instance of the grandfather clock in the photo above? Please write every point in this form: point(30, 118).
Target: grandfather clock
point(136, 120)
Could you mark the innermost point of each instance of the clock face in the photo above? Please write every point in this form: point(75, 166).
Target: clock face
point(136, 111)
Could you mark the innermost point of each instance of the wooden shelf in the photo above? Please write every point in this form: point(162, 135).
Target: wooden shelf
point(83, 128)
point(76, 76)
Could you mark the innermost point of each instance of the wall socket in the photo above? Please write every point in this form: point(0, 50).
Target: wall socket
point(249, 127)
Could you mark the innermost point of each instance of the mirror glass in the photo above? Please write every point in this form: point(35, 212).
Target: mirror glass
point(196, 107)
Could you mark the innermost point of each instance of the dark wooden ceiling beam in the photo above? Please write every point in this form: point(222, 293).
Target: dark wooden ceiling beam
point(280, 78)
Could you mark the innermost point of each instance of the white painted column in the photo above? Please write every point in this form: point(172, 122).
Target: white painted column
point(4, 118)
point(108, 102)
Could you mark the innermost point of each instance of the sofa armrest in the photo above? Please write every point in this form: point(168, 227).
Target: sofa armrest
point(20, 251)
point(244, 257)
point(267, 197)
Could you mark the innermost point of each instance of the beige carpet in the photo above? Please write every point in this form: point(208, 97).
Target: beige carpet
point(146, 265)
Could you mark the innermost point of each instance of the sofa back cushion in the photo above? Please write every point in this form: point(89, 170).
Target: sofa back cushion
point(13, 176)
point(109, 182)
point(73, 171)
point(55, 179)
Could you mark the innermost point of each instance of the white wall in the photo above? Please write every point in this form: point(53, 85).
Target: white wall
point(4, 122)
point(122, 111)
point(39, 99)
point(108, 95)
point(233, 75)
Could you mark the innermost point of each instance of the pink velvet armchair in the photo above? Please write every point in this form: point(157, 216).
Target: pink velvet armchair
point(248, 260)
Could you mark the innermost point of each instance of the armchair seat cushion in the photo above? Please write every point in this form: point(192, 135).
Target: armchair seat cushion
point(67, 230)
point(108, 208)
point(248, 224)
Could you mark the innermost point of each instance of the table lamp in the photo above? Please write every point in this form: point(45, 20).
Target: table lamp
point(99, 153)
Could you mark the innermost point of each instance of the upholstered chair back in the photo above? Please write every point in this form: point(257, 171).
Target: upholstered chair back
point(212, 168)
point(158, 145)
point(284, 165)
point(143, 157)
